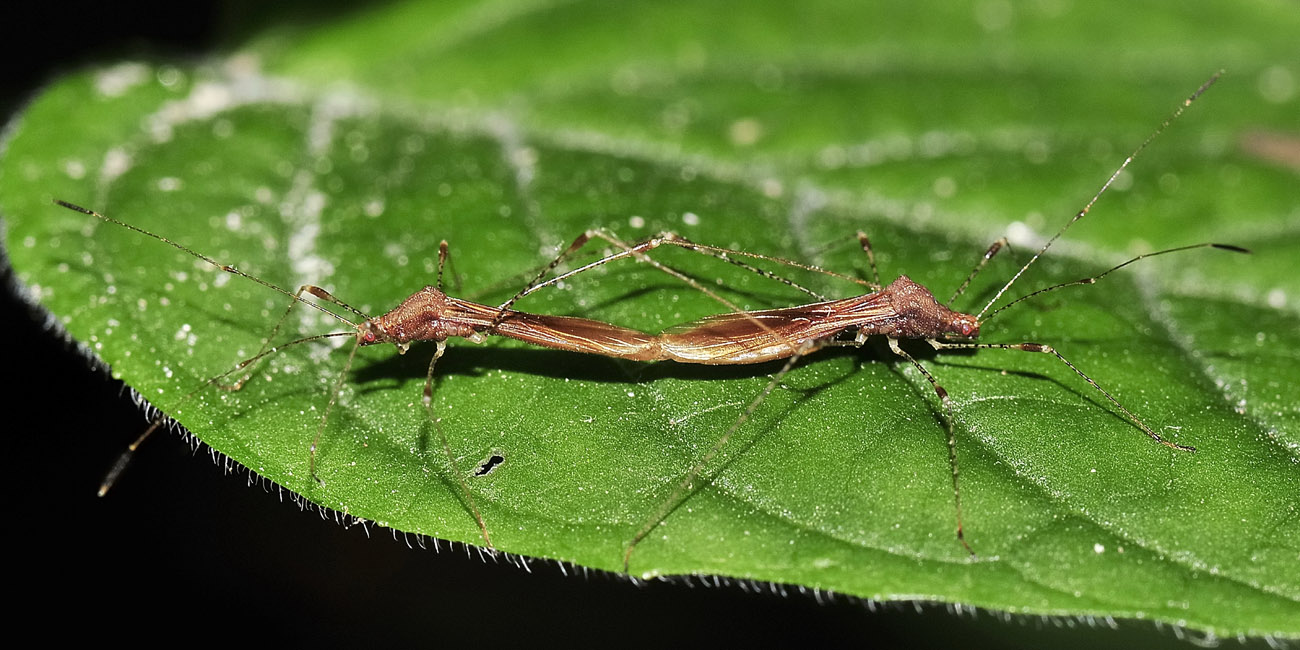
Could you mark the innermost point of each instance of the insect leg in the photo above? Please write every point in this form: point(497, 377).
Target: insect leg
point(979, 266)
point(159, 418)
point(726, 255)
point(668, 238)
point(266, 344)
point(442, 436)
point(125, 457)
point(871, 257)
point(334, 397)
point(267, 349)
point(1047, 349)
point(444, 260)
point(687, 484)
point(952, 437)
point(729, 256)
point(638, 251)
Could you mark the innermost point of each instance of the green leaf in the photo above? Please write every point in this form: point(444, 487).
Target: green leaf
point(342, 154)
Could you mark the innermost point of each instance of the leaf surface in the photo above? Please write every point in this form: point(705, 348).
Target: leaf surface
point(342, 154)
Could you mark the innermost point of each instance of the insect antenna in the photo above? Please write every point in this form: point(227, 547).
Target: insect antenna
point(267, 349)
point(1105, 186)
point(224, 267)
point(1095, 278)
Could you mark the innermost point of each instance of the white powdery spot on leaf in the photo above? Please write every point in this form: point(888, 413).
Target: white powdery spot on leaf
point(117, 80)
point(75, 169)
point(116, 162)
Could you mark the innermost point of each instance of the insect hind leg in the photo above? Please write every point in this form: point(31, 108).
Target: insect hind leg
point(687, 484)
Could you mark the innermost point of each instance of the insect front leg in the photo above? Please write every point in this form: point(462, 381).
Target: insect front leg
point(1047, 349)
point(245, 367)
point(865, 243)
point(979, 266)
point(952, 437)
point(446, 447)
point(324, 418)
point(267, 349)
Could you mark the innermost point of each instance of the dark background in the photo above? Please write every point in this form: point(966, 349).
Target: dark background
point(183, 545)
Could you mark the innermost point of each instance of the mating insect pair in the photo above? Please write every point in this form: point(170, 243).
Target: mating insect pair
point(901, 310)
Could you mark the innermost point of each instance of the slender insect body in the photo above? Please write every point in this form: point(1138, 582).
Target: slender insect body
point(904, 309)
